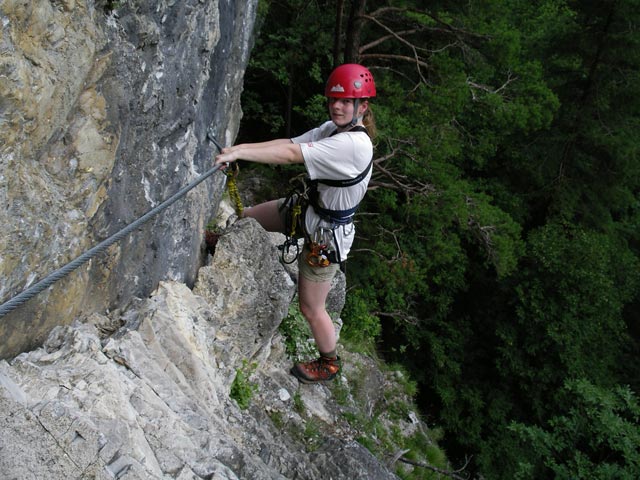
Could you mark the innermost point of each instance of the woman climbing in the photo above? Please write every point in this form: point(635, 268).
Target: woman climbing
point(338, 158)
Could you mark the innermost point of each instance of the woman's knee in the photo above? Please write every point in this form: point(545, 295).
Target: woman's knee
point(267, 215)
point(313, 313)
point(312, 297)
point(309, 312)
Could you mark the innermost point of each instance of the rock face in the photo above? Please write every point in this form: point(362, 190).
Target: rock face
point(104, 109)
point(145, 393)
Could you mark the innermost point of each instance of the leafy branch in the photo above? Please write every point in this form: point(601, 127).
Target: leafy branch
point(387, 178)
point(399, 457)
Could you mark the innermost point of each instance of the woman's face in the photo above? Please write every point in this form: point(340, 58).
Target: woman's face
point(341, 110)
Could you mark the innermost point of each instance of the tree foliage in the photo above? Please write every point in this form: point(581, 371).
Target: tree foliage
point(594, 435)
point(499, 242)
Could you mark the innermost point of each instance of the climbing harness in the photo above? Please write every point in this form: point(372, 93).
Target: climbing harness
point(62, 272)
point(322, 244)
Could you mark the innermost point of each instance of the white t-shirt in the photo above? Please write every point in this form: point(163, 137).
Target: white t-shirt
point(339, 157)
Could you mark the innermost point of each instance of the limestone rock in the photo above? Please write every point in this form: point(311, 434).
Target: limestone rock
point(104, 109)
point(151, 400)
point(246, 283)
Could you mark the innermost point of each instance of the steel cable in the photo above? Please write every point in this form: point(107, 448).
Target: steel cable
point(52, 278)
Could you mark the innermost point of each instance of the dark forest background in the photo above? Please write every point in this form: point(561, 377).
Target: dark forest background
point(498, 250)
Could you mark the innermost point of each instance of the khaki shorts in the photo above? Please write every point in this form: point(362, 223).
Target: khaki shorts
point(313, 274)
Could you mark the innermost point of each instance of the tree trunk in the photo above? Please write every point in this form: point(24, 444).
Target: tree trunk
point(337, 33)
point(289, 108)
point(352, 43)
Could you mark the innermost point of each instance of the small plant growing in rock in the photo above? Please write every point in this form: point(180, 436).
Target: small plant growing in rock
point(111, 5)
point(340, 391)
point(295, 330)
point(298, 404)
point(312, 435)
point(242, 390)
point(278, 419)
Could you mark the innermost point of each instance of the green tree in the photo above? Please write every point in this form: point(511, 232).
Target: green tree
point(594, 435)
point(286, 73)
point(573, 289)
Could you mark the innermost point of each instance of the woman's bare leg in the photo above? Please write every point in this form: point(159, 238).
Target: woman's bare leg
point(312, 297)
point(267, 215)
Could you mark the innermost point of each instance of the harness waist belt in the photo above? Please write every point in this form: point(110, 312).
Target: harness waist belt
point(338, 217)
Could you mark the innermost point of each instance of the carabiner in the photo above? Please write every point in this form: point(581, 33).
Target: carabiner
point(317, 257)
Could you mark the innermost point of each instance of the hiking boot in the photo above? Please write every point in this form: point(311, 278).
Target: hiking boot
point(319, 370)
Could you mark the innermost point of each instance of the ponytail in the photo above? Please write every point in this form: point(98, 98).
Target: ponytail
point(369, 122)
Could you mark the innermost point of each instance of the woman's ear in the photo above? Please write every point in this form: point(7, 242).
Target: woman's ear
point(363, 106)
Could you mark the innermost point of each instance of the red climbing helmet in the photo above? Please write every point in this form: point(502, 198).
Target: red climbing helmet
point(350, 81)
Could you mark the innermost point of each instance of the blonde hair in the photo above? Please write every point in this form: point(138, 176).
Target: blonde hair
point(369, 122)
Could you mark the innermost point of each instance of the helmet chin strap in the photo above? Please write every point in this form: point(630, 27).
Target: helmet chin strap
point(355, 119)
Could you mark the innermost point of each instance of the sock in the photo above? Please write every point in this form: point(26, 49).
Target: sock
point(333, 354)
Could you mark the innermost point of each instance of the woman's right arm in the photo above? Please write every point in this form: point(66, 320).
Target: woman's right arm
point(281, 151)
point(270, 143)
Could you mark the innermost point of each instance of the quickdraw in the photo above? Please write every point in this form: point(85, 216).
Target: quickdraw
point(295, 216)
point(294, 203)
point(232, 186)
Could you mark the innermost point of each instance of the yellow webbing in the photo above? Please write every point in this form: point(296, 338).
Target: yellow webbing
point(295, 213)
point(232, 186)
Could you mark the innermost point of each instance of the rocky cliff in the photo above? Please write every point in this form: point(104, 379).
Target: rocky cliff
point(104, 109)
point(193, 384)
